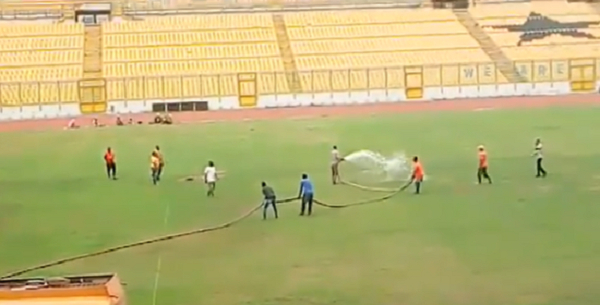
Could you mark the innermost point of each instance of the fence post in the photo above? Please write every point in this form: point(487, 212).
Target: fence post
point(162, 88)
point(368, 71)
point(20, 97)
point(144, 81)
point(201, 86)
point(181, 88)
point(276, 79)
point(59, 93)
point(125, 91)
point(219, 89)
point(330, 80)
point(385, 79)
point(39, 95)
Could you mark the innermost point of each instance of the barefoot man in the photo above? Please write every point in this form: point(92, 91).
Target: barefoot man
point(335, 162)
point(539, 157)
point(111, 164)
point(154, 167)
point(417, 175)
point(210, 178)
point(161, 162)
point(482, 170)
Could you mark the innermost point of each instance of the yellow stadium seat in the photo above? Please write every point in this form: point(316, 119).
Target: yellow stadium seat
point(38, 30)
point(366, 49)
point(505, 10)
point(40, 63)
point(388, 16)
point(190, 56)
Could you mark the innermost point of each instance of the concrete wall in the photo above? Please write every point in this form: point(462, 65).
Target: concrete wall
point(316, 99)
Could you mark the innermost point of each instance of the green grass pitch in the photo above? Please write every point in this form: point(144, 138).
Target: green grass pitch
point(520, 241)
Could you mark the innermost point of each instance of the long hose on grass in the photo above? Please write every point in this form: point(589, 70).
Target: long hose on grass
point(392, 193)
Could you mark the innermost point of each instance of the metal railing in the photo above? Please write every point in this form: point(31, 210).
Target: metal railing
point(31, 10)
point(312, 82)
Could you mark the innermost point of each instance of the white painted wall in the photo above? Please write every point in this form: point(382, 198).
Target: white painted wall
point(302, 100)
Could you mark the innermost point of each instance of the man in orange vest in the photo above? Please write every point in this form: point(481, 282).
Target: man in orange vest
point(417, 175)
point(111, 164)
point(482, 171)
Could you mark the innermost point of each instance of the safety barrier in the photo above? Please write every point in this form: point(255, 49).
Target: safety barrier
point(391, 193)
point(20, 10)
point(319, 87)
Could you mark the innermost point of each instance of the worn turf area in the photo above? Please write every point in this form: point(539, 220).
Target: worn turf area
point(520, 241)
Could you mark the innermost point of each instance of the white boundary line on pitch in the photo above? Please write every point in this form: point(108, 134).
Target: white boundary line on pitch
point(484, 109)
point(159, 260)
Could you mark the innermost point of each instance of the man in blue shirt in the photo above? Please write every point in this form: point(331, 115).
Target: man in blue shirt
point(306, 194)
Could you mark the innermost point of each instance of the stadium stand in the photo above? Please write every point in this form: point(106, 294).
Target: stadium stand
point(374, 40)
point(553, 46)
point(34, 58)
point(180, 49)
point(201, 55)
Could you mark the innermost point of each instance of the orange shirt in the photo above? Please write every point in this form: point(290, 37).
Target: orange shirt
point(418, 172)
point(154, 162)
point(109, 157)
point(483, 159)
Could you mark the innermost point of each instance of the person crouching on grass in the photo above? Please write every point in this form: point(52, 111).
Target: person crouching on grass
point(210, 178)
point(154, 167)
point(269, 200)
point(111, 164)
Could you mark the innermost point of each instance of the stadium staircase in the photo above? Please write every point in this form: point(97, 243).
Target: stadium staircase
point(68, 13)
point(503, 63)
point(92, 87)
point(287, 55)
point(117, 9)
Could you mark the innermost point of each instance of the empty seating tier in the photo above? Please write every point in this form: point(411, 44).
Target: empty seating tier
point(374, 44)
point(40, 63)
point(40, 6)
point(191, 56)
point(544, 30)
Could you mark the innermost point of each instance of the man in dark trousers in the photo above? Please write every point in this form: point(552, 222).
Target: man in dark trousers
point(111, 164)
point(306, 194)
point(539, 157)
point(269, 200)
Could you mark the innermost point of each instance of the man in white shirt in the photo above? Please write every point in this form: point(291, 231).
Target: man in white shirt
point(335, 161)
point(210, 178)
point(539, 157)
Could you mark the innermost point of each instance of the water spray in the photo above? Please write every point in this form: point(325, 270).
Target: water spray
point(377, 168)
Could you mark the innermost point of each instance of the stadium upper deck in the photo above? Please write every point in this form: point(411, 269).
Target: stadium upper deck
point(163, 56)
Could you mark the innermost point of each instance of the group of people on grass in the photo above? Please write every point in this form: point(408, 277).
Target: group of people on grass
point(306, 192)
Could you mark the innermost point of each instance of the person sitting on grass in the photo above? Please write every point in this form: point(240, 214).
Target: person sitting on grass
point(119, 121)
point(168, 120)
point(72, 124)
point(95, 123)
point(158, 119)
